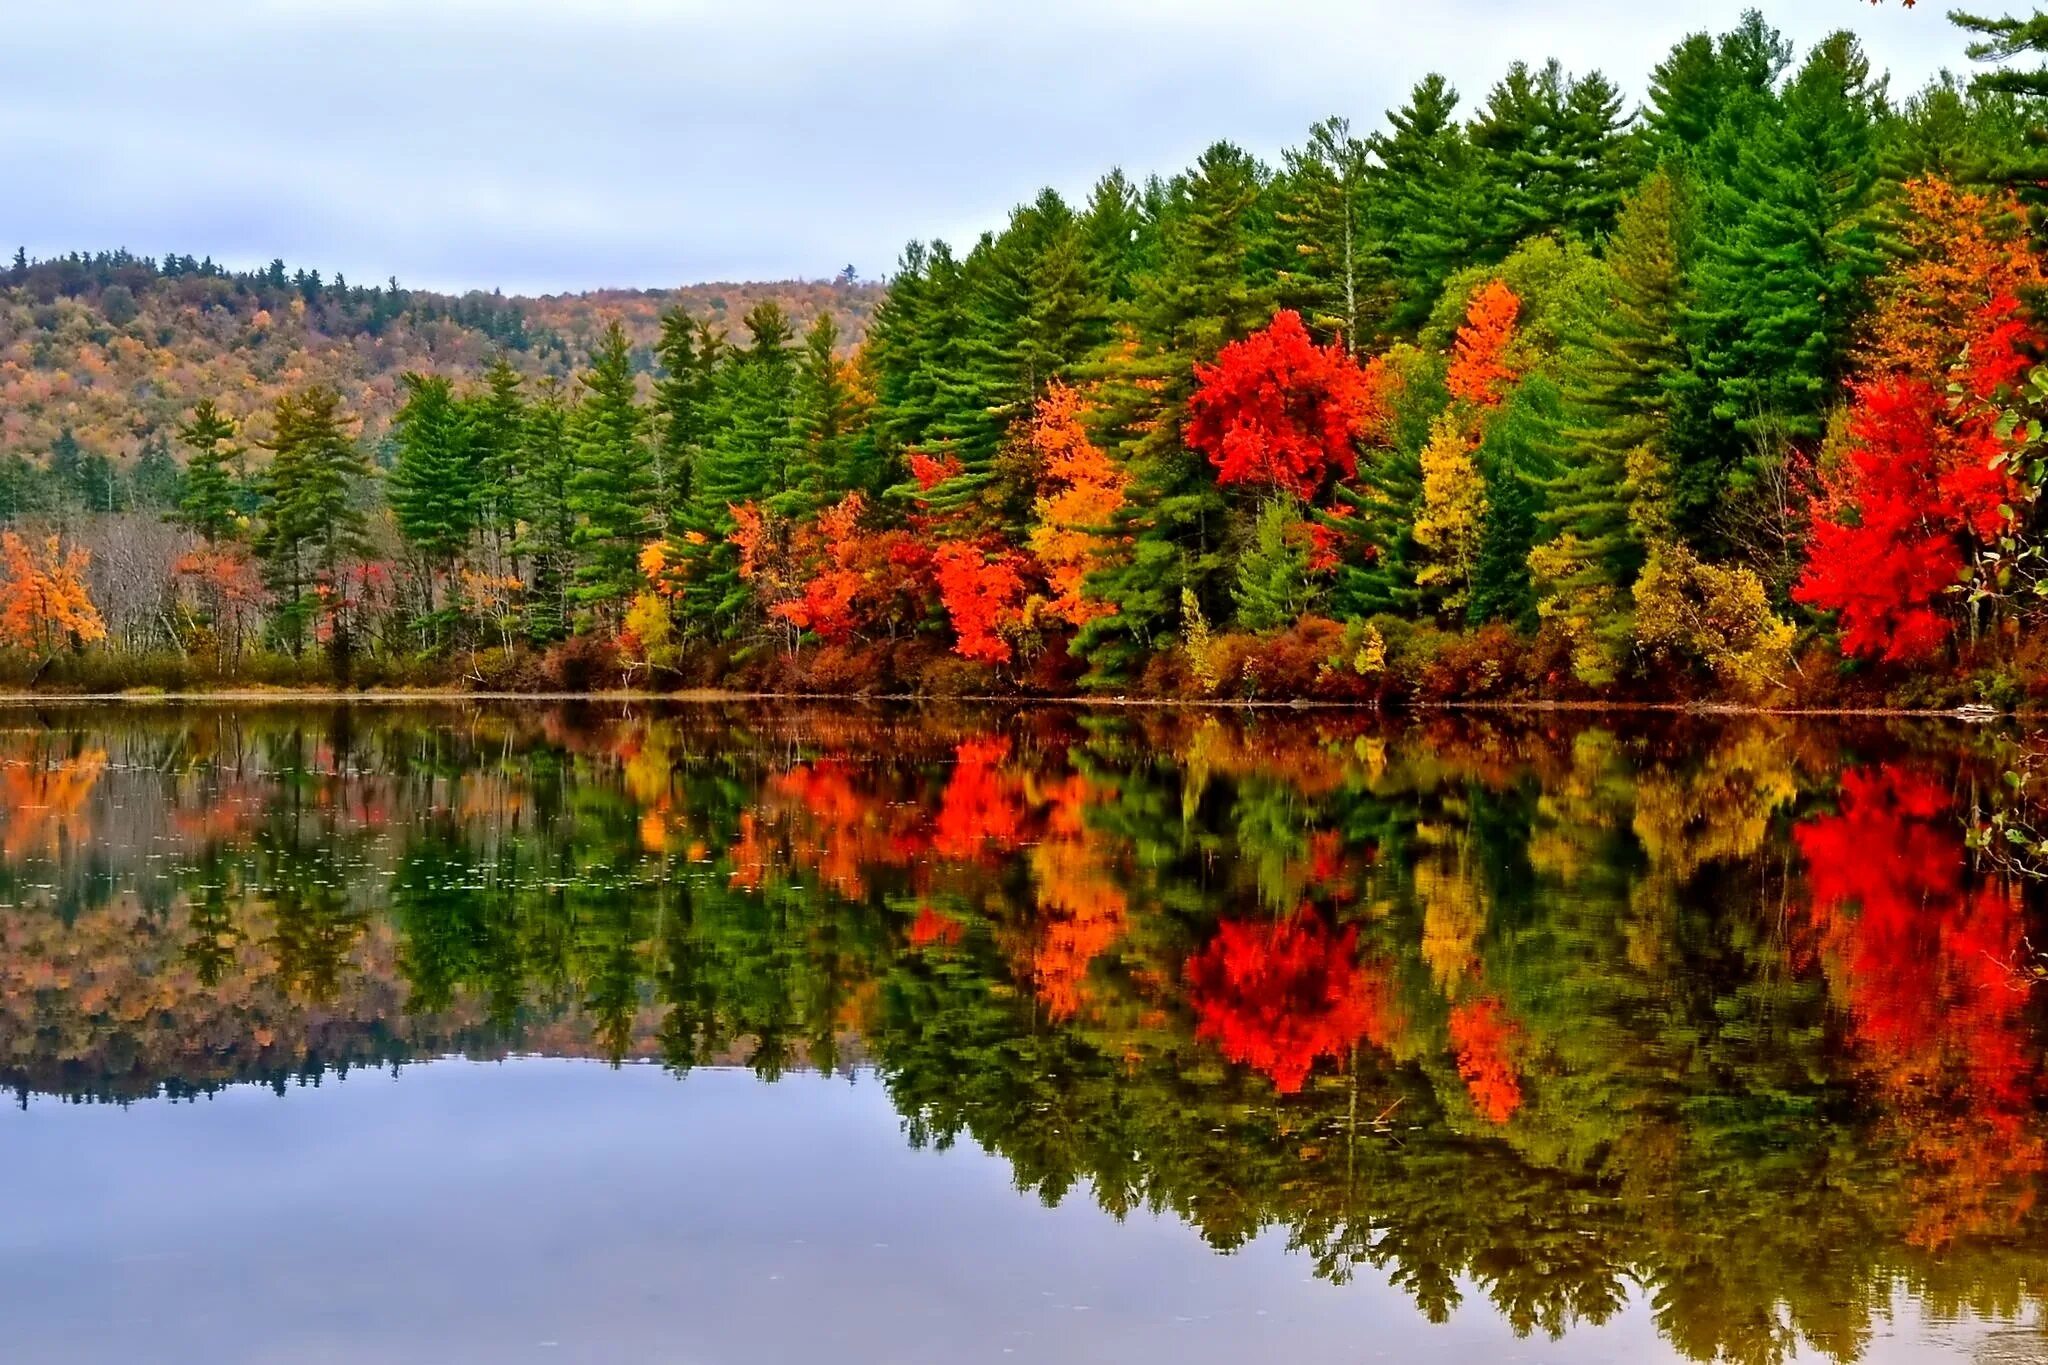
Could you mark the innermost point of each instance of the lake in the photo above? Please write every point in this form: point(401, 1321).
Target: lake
point(749, 1033)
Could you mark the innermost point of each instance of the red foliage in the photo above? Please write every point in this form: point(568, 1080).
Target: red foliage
point(982, 808)
point(1278, 410)
point(1918, 953)
point(933, 930)
point(1897, 519)
point(1483, 1037)
point(930, 473)
point(1481, 369)
point(982, 596)
point(1277, 995)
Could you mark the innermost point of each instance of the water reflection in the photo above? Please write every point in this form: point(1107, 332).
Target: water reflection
point(1562, 1011)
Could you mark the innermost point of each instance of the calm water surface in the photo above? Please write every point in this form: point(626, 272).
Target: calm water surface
point(476, 1033)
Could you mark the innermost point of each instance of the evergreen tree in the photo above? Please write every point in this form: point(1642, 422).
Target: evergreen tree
point(1213, 284)
point(1423, 190)
point(746, 461)
point(1516, 465)
point(157, 483)
point(210, 503)
point(824, 454)
point(433, 487)
point(689, 352)
point(547, 471)
point(611, 490)
point(1787, 245)
point(497, 421)
point(1619, 358)
point(1273, 586)
point(312, 519)
point(1336, 275)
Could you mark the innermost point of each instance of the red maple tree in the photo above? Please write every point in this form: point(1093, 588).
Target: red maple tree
point(1278, 410)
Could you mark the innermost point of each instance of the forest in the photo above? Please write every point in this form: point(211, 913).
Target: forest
point(1735, 393)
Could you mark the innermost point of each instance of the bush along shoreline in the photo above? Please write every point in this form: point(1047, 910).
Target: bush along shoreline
point(1735, 395)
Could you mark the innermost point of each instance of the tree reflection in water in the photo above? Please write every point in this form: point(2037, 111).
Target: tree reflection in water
point(1553, 1008)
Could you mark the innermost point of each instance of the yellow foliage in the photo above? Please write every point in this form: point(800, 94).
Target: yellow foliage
point(1690, 610)
point(1453, 510)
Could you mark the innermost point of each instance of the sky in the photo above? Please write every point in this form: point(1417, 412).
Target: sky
point(544, 146)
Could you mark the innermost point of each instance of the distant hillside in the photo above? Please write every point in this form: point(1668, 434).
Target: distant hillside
point(116, 348)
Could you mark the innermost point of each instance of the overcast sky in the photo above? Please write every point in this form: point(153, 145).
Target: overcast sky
point(545, 145)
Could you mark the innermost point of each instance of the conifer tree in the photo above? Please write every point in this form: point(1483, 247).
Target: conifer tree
point(434, 487)
point(1789, 242)
point(1620, 355)
point(611, 490)
point(209, 504)
point(312, 517)
point(823, 455)
point(1273, 584)
point(689, 353)
point(1212, 285)
point(547, 471)
point(497, 421)
point(1422, 206)
point(745, 461)
point(1331, 270)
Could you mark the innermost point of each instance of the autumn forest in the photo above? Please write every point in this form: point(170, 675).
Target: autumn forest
point(1731, 391)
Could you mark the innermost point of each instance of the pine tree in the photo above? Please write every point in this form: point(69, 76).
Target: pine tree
point(689, 352)
point(157, 482)
point(1273, 585)
point(824, 445)
point(1213, 284)
point(312, 517)
point(547, 471)
point(210, 504)
point(1333, 271)
point(434, 486)
point(611, 490)
point(1616, 369)
point(746, 461)
point(497, 421)
point(1789, 242)
point(1422, 204)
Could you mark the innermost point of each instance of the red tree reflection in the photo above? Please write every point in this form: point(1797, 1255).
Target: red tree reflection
point(1918, 953)
point(1483, 1037)
point(1277, 995)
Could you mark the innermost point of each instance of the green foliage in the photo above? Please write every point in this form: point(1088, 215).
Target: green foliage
point(210, 504)
point(1273, 581)
point(611, 490)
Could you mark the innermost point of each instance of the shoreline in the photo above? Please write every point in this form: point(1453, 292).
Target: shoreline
point(713, 696)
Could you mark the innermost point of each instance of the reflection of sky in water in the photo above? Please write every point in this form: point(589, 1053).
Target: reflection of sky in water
point(561, 1211)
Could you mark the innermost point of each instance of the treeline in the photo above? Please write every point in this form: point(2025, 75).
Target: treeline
point(1734, 392)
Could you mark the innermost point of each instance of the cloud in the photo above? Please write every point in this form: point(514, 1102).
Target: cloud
point(555, 145)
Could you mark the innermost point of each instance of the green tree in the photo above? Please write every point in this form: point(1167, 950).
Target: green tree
point(434, 486)
point(211, 503)
point(312, 519)
point(1273, 585)
point(611, 491)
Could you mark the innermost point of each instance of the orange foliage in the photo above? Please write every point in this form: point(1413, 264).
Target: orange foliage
point(43, 600)
point(44, 801)
point(1482, 366)
point(930, 473)
point(933, 930)
point(1964, 256)
point(1081, 491)
point(1081, 904)
point(982, 595)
